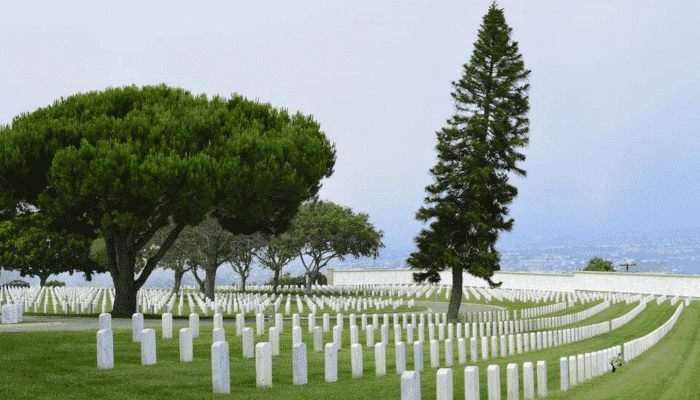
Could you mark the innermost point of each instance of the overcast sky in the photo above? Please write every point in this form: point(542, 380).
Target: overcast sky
point(614, 98)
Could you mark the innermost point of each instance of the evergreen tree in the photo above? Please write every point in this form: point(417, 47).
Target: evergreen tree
point(475, 152)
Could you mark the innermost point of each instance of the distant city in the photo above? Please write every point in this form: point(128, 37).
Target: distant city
point(671, 251)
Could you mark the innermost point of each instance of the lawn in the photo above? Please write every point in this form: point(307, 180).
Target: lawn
point(58, 365)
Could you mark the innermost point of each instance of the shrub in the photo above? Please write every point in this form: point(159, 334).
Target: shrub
point(598, 264)
point(55, 283)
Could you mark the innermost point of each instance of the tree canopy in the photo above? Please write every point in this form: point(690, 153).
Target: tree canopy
point(467, 202)
point(120, 164)
point(26, 247)
point(598, 264)
point(323, 230)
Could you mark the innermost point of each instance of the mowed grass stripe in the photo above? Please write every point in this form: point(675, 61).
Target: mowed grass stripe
point(668, 370)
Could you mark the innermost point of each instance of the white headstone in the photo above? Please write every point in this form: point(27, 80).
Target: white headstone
point(354, 334)
point(148, 347)
point(512, 381)
point(105, 321)
point(471, 382)
point(418, 355)
point(511, 344)
point(444, 384)
point(410, 385)
point(296, 335)
point(331, 362)
point(588, 366)
point(105, 348)
point(248, 343)
point(541, 379)
point(580, 368)
point(400, 353)
point(434, 354)
point(240, 324)
point(318, 339)
point(462, 350)
point(356, 359)
point(572, 371)
point(493, 377)
point(484, 348)
point(380, 359)
point(194, 325)
point(274, 339)
point(449, 358)
point(263, 365)
point(218, 321)
point(185, 345)
point(218, 335)
point(528, 381)
point(312, 322)
point(167, 324)
point(370, 336)
point(299, 363)
point(136, 326)
point(220, 371)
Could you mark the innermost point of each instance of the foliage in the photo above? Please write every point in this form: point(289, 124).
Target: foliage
point(468, 200)
point(241, 254)
point(55, 283)
point(121, 164)
point(27, 247)
point(598, 264)
point(299, 281)
point(275, 253)
point(323, 230)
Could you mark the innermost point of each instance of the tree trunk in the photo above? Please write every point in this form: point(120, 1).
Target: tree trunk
point(312, 277)
point(456, 296)
point(243, 278)
point(275, 281)
point(125, 297)
point(178, 282)
point(209, 282)
point(43, 277)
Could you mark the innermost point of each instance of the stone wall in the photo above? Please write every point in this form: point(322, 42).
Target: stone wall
point(644, 283)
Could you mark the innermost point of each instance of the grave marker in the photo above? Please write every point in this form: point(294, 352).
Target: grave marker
point(148, 347)
point(185, 345)
point(220, 371)
point(105, 349)
point(263, 365)
point(299, 374)
point(410, 385)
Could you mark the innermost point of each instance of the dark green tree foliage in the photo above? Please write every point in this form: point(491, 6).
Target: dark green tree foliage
point(598, 264)
point(323, 230)
point(475, 152)
point(27, 247)
point(242, 254)
point(276, 252)
point(120, 164)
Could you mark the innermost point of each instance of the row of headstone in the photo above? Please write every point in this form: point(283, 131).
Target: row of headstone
point(583, 367)
point(411, 384)
point(638, 346)
point(620, 321)
point(12, 313)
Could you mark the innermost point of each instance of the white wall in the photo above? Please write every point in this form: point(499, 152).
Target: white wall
point(649, 283)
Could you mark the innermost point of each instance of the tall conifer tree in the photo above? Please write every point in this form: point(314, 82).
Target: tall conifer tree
point(475, 152)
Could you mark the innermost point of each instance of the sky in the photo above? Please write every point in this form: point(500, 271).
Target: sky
point(614, 94)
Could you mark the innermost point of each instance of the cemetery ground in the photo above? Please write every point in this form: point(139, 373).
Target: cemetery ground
point(58, 364)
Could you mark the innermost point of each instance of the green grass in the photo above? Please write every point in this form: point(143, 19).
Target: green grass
point(57, 365)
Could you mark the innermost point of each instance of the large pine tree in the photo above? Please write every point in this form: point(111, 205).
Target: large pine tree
point(475, 152)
